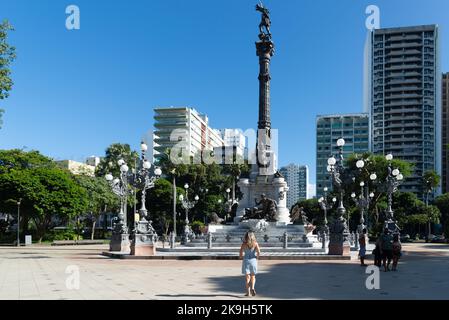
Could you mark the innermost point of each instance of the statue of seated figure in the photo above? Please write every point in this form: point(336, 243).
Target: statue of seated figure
point(265, 209)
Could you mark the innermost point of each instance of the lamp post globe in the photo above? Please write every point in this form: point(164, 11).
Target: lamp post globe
point(389, 157)
point(147, 165)
point(186, 186)
point(143, 147)
point(341, 142)
point(373, 176)
point(360, 164)
point(158, 172)
point(331, 161)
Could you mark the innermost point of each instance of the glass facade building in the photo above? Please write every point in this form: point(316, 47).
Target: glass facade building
point(354, 128)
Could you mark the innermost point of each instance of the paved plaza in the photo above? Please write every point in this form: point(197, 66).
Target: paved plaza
point(40, 273)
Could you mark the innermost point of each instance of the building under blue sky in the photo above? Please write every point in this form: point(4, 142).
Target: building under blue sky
point(78, 91)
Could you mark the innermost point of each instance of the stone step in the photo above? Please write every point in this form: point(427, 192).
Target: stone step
point(226, 256)
point(237, 246)
point(235, 251)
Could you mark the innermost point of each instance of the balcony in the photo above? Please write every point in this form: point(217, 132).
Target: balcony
point(402, 96)
point(403, 52)
point(403, 37)
point(410, 102)
point(406, 59)
point(404, 67)
point(407, 81)
point(400, 116)
point(403, 45)
point(403, 88)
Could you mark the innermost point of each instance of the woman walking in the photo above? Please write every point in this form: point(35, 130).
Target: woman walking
point(250, 253)
point(362, 244)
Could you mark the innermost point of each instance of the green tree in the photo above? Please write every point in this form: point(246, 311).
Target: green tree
point(48, 195)
point(373, 164)
point(442, 202)
point(114, 153)
point(7, 56)
point(19, 159)
point(431, 180)
point(101, 198)
point(160, 202)
point(16, 159)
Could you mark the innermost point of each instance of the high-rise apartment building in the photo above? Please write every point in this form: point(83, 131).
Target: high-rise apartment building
point(183, 128)
point(354, 128)
point(445, 130)
point(297, 178)
point(234, 144)
point(403, 97)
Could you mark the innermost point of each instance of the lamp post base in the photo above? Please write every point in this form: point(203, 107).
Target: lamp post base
point(143, 245)
point(119, 243)
point(338, 247)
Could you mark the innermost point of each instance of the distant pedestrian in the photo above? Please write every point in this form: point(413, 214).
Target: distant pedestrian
point(387, 249)
point(250, 253)
point(397, 251)
point(362, 246)
point(377, 252)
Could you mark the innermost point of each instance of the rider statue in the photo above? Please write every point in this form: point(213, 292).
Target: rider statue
point(265, 23)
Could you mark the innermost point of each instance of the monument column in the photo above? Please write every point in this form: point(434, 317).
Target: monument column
point(265, 50)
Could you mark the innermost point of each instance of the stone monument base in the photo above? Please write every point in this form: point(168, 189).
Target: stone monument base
point(119, 243)
point(274, 187)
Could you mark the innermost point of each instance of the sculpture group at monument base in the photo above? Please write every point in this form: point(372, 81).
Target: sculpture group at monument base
point(270, 187)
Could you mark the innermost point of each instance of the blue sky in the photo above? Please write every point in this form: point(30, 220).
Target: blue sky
point(76, 92)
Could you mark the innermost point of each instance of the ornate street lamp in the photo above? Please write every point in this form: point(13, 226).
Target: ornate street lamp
point(338, 231)
point(144, 181)
point(336, 169)
point(120, 187)
point(325, 205)
point(363, 201)
point(142, 178)
point(394, 179)
point(187, 205)
point(18, 221)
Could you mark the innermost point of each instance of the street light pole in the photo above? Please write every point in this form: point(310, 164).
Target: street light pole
point(18, 222)
point(326, 206)
point(186, 204)
point(394, 179)
point(174, 201)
